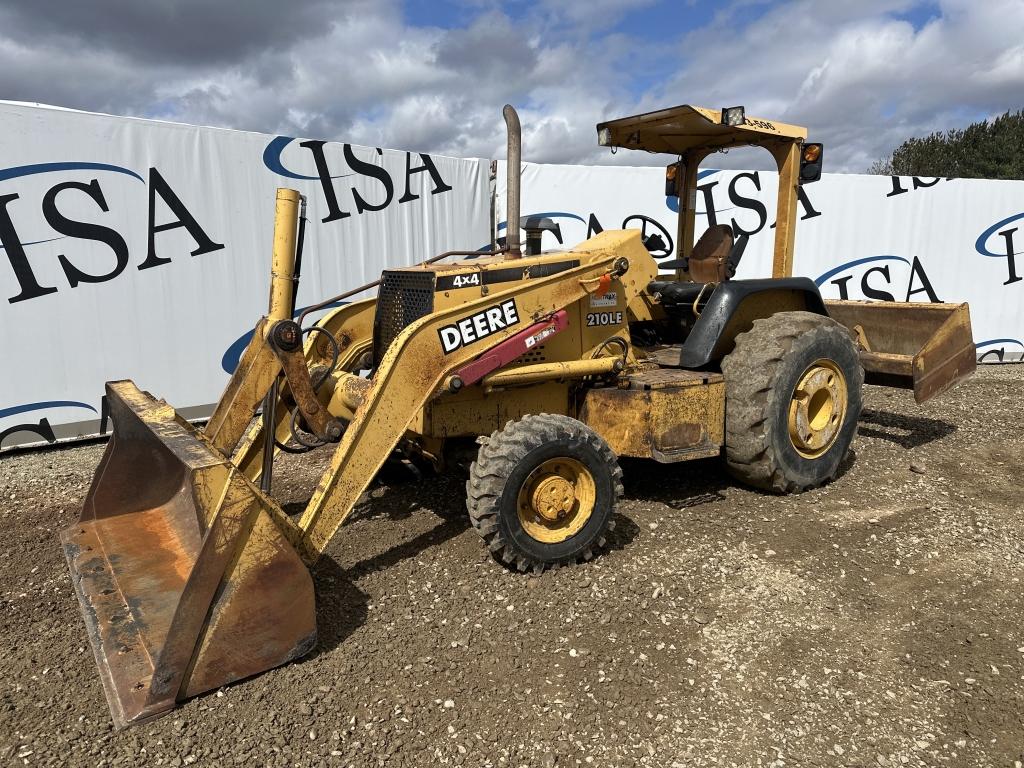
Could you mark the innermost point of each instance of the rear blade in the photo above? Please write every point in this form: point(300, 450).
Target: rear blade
point(184, 570)
point(924, 347)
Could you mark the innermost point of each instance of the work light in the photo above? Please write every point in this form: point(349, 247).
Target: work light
point(733, 116)
point(672, 180)
point(604, 136)
point(812, 152)
point(811, 161)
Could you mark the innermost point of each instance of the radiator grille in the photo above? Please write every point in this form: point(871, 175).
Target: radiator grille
point(403, 298)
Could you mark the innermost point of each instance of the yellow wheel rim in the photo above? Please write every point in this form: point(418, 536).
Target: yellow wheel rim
point(556, 500)
point(817, 409)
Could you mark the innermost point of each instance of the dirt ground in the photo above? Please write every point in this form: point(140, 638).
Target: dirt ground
point(875, 622)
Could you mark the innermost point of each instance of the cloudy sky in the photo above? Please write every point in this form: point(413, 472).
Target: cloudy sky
point(432, 75)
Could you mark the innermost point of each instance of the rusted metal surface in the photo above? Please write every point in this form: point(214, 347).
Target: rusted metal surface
point(666, 414)
point(924, 347)
point(415, 365)
point(352, 326)
point(513, 156)
point(349, 390)
point(318, 420)
point(256, 371)
point(183, 569)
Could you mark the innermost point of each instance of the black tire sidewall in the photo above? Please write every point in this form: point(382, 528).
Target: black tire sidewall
point(584, 539)
point(815, 345)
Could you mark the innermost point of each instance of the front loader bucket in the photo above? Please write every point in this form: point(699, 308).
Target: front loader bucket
point(184, 570)
point(924, 347)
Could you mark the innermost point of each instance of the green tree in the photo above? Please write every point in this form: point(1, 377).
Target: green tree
point(985, 150)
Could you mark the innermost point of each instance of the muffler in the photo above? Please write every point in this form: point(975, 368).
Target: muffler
point(513, 169)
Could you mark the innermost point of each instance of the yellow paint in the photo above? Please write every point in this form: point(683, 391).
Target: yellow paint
point(533, 374)
point(664, 414)
point(414, 367)
point(556, 500)
point(787, 157)
point(817, 408)
point(692, 134)
point(282, 285)
point(473, 412)
point(258, 367)
point(685, 128)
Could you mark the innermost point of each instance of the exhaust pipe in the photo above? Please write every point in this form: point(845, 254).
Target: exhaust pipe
point(514, 158)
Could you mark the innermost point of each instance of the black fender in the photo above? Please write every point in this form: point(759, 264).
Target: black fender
point(734, 306)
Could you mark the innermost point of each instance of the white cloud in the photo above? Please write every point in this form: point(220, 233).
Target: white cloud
point(863, 82)
point(857, 74)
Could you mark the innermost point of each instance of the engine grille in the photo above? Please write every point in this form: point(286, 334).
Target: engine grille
point(403, 298)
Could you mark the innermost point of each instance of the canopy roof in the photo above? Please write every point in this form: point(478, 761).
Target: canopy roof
point(684, 128)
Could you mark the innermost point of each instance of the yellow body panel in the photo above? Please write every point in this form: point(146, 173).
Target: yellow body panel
point(416, 364)
point(473, 412)
point(592, 321)
point(190, 576)
point(665, 414)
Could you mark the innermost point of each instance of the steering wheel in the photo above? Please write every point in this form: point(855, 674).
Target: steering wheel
point(661, 244)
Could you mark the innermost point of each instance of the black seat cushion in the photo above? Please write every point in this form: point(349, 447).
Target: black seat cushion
point(674, 293)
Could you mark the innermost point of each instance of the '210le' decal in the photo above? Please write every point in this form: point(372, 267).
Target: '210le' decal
point(604, 318)
point(478, 326)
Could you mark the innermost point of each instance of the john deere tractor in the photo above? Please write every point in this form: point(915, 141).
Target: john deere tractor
point(548, 366)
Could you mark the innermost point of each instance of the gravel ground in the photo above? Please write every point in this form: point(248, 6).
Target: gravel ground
point(875, 622)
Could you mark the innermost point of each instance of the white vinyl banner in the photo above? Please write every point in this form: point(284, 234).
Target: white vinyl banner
point(141, 249)
point(858, 237)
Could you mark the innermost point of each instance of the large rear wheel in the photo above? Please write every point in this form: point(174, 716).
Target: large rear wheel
point(793, 397)
point(542, 492)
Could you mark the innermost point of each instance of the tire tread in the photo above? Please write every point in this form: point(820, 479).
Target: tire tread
point(500, 453)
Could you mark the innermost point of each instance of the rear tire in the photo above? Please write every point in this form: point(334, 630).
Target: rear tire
point(793, 396)
point(542, 492)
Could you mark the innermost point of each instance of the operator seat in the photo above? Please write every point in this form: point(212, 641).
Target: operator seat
point(708, 263)
point(699, 309)
point(710, 255)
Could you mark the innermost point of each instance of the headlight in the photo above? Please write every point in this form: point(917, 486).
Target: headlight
point(733, 116)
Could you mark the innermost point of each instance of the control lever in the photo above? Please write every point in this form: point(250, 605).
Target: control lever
point(733, 260)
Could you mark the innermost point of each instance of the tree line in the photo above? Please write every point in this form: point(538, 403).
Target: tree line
point(989, 149)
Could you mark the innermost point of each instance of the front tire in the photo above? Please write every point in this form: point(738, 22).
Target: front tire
point(793, 396)
point(542, 492)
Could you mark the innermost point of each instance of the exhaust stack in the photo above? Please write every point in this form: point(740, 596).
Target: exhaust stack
point(514, 158)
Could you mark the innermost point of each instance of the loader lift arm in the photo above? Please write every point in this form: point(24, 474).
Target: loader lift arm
point(173, 571)
point(411, 371)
